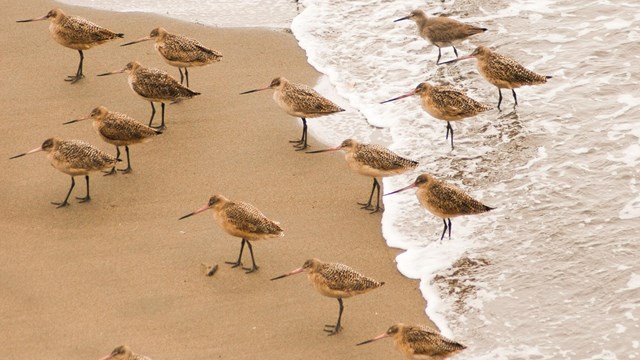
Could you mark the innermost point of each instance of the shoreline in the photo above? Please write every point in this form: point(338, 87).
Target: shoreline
point(121, 269)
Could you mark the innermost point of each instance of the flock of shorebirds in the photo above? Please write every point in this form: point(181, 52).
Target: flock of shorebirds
point(243, 220)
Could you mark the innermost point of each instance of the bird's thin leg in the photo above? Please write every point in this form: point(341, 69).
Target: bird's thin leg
point(153, 113)
point(65, 203)
point(499, 98)
point(450, 130)
point(186, 75)
point(181, 76)
point(237, 263)
point(515, 98)
point(162, 124)
point(439, 56)
point(128, 168)
point(455, 51)
point(445, 228)
point(113, 169)
point(86, 198)
point(334, 329)
point(302, 143)
point(367, 205)
point(378, 208)
point(74, 78)
point(254, 267)
point(449, 219)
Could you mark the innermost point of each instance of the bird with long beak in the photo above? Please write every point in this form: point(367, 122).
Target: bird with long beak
point(74, 157)
point(154, 85)
point(300, 101)
point(502, 71)
point(374, 161)
point(123, 352)
point(444, 200)
point(420, 342)
point(118, 129)
point(242, 220)
point(335, 280)
point(445, 103)
point(441, 31)
point(180, 51)
point(75, 33)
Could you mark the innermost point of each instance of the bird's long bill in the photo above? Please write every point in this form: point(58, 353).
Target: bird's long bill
point(381, 336)
point(107, 357)
point(293, 272)
point(27, 153)
point(204, 208)
point(456, 60)
point(402, 18)
point(137, 41)
point(254, 90)
point(324, 150)
point(76, 120)
point(36, 19)
point(113, 72)
point(400, 97)
point(403, 189)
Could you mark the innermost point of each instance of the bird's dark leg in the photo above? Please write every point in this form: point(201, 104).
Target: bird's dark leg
point(445, 228)
point(449, 130)
point(153, 113)
point(65, 203)
point(367, 205)
point(181, 76)
point(334, 329)
point(439, 56)
point(499, 98)
point(449, 219)
point(113, 169)
point(186, 75)
point(86, 198)
point(162, 122)
point(237, 263)
point(73, 79)
point(128, 168)
point(254, 267)
point(455, 51)
point(515, 98)
point(302, 143)
point(375, 181)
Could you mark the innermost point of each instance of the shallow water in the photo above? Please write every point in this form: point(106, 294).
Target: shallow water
point(552, 273)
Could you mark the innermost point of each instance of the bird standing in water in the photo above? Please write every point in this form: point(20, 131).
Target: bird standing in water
point(76, 33)
point(301, 101)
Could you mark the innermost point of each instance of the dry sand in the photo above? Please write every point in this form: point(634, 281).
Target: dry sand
point(75, 282)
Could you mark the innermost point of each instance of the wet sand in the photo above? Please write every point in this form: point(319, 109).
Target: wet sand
point(76, 282)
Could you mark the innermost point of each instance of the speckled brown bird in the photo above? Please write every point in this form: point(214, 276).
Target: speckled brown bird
point(445, 103)
point(180, 51)
point(118, 129)
point(300, 101)
point(123, 352)
point(154, 85)
point(441, 31)
point(242, 220)
point(373, 161)
point(74, 157)
point(76, 33)
point(444, 200)
point(337, 281)
point(420, 342)
point(503, 72)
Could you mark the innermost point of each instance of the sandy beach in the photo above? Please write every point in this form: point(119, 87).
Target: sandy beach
point(76, 282)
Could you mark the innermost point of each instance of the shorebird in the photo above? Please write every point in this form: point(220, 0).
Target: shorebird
point(445, 103)
point(300, 101)
point(76, 33)
point(374, 161)
point(154, 85)
point(503, 72)
point(180, 51)
point(337, 281)
point(242, 220)
point(123, 352)
point(118, 129)
point(444, 200)
point(420, 342)
point(74, 157)
point(441, 31)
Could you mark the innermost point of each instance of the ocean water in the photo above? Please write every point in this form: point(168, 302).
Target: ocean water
point(553, 272)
